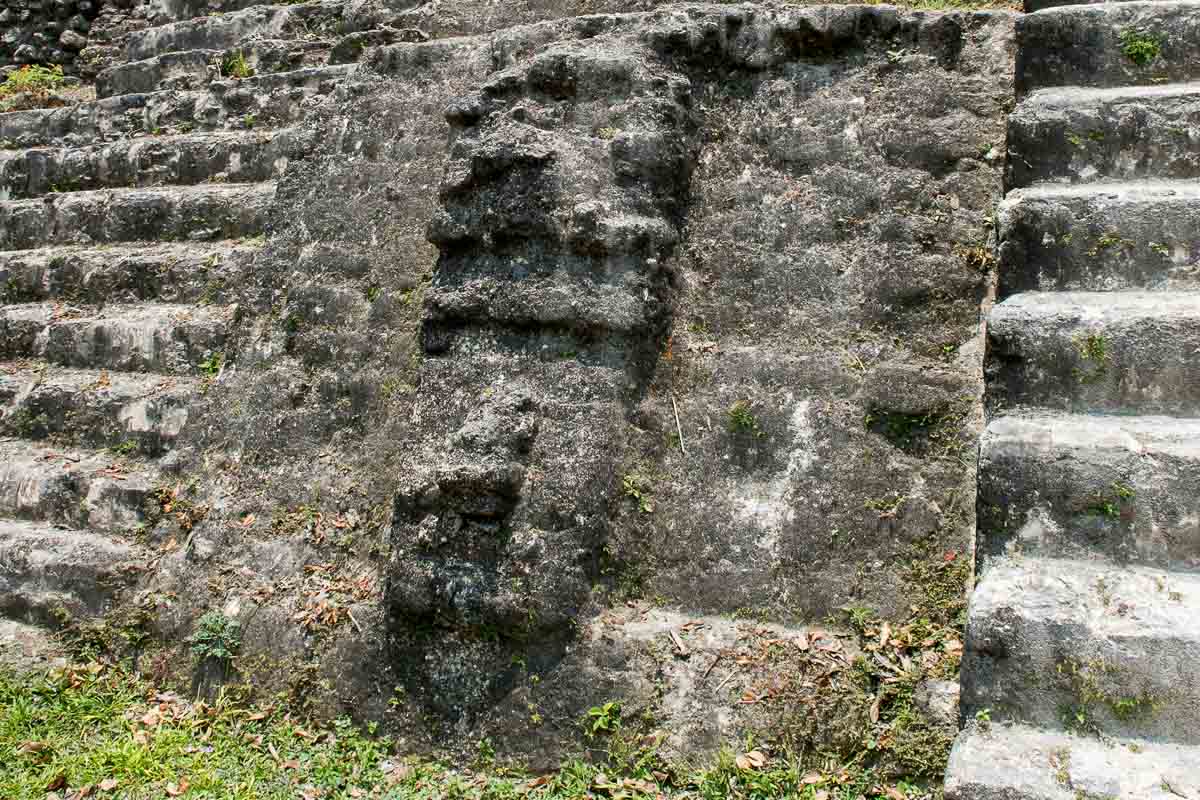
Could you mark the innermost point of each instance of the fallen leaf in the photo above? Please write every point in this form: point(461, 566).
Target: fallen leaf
point(894, 793)
point(875, 707)
point(291, 763)
point(176, 789)
point(950, 556)
point(811, 778)
point(884, 634)
point(754, 759)
point(108, 784)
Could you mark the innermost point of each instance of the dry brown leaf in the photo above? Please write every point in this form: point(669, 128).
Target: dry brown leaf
point(884, 634)
point(811, 778)
point(875, 707)
point(176, 789)
point(108, 784)
point(894, 793)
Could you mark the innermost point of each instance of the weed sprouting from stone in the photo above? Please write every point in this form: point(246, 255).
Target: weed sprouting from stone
point(742, 420)
point(1139, 47)
point(217, 637)
point(235, 65)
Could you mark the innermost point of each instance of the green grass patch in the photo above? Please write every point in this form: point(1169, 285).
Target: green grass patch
point(104, 732)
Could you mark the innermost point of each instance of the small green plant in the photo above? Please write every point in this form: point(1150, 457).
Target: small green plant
point(212, 365)
point(125, 448)
point(217, 637)
point(1139, 47)
point(1108, 241)
point(31, 86)
point(638, 487)
point(983, 715)
point(373, 293)
point(742, 420)
point(603, 719)
point(234, 65)
point(1093, 352)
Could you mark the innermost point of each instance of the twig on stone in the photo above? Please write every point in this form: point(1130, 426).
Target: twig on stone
point(678, 427)
point(350, 614)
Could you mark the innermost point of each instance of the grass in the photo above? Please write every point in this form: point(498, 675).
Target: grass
point(100, 731)
point(235, 65)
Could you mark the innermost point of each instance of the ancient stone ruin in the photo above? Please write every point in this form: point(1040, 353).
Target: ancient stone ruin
point(760, 369)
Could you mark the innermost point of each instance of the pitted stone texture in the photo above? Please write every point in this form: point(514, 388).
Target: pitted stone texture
point(135, 413)
point(1074, 135)
point(148, 337)
point(1115, 649)
point(194, 272)
point(99, 491)
point(1013, 762)
point(821, 143)
point(253, 103)
point(45, 571)
point(222, 31)
point(1100, 237)
point(1081, 45)
point(191, 213)
point(1126, 489)
point(234, 157)
point(1102, 352)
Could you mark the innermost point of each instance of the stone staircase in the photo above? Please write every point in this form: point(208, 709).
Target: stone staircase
point(126, 224)
point(1081, 674)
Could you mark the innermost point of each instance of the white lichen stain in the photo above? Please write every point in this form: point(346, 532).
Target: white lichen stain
point(767, 505)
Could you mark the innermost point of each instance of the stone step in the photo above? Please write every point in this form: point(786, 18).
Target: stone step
point(163, 338)
point(196, 213)
point(1078, 486)
point(130, 413)
point(262, 101)
point(1015, 762)
point(46, 572)
point(193, 69)
point(173, 272)
point(1100, 237)
point(1111, 44)
point(1077, 135)
point(1130, 352)
point(224, 31)
point(1030, 6)
point(234, 156)
point(97, 490)
point(164, 11)
point(1085, 646)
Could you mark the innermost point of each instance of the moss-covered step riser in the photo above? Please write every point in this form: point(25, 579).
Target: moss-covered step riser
point(186, 213)
point(1076, 645)
point(258, 103)
point(194, 69)
point(239, 157)
point(203, 273)
point(1100, 237)
point(1088, 136)
point(1096, 352)
point(302, 21)
point(49, 574)
point(1112, 44)
point(1123, 489)
point(126, 414)
point(101, 491)
point(170, 340)
point(996, 761)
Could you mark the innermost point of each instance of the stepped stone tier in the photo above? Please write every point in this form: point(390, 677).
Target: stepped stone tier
point(1077, 675)
point(469, 354)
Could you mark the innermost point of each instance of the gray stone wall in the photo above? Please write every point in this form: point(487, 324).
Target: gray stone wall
point(45, 31)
